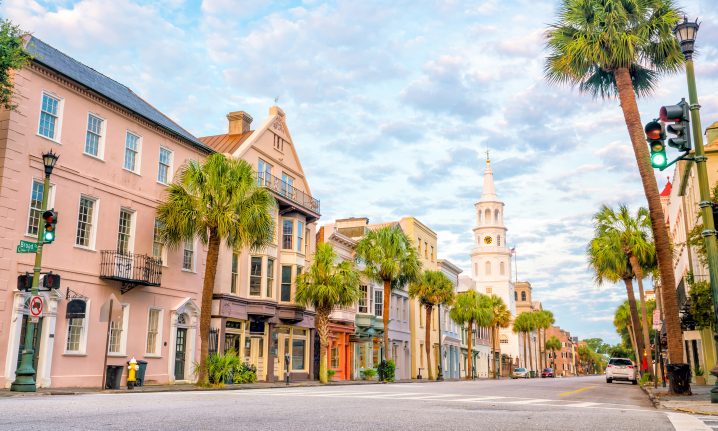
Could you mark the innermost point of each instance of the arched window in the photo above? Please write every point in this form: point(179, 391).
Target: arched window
point(523, 295)
point(488, 267)
point(502, 269)
point(516, 296)
point(496, 216)
point(76, 326)
point(487, 215)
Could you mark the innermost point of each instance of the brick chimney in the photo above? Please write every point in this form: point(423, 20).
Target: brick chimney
point(239, 122)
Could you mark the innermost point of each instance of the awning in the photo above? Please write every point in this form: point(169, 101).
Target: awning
point(76, 309)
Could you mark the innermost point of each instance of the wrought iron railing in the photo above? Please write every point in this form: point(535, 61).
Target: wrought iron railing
point(131, 268)
point(288, 191)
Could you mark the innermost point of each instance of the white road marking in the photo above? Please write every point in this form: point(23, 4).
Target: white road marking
point(684, 422)
point(478, 399)
point(582, 404)
point(529, 401)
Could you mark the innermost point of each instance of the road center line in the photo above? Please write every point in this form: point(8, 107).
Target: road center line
point(577, 391)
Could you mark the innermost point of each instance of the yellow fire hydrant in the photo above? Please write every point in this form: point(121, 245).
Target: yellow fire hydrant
point(132, 373)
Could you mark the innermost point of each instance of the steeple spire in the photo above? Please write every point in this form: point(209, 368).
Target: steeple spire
point(488, 193)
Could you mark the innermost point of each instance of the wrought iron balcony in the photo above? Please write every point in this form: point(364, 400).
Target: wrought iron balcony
point(289, 193)
point(130, 269)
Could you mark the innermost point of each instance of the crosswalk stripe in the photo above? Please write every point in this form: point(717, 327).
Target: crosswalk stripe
point(531, 401)
point(429, 397)
point(476, 399)
point(582, 404)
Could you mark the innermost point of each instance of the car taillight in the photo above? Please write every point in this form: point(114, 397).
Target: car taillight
point(609, 366)
point(629, 366)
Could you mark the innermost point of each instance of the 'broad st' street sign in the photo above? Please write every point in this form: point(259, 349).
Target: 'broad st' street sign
point(27, 247)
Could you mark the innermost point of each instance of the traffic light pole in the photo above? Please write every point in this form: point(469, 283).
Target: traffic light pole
point(709, 232)
point(25, 373)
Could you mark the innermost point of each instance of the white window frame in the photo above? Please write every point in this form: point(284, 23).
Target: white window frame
point(101, 141)
point(58, 124)
point(93, 221)
point(234, 268)
point(138, 153)
point(300, 236)
point(169, 165)
point(50, 204)
point(133, 222)
point(163, 254)
point(378, 294)
point(83, 335)
point(123, 335)
point(158, 339)
point(194, 256)
point(252, 276)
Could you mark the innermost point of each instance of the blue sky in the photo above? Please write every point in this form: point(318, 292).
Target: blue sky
point(392, 105)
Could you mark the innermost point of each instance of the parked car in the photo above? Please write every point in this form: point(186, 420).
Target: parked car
point(621, 369)
point(520, 373)
point(547, 372)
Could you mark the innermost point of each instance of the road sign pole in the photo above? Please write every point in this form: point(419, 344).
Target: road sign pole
point(25, 373)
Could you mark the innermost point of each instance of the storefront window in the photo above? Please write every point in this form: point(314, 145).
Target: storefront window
point(335, 357)
point(299, 348)
point(362, 355)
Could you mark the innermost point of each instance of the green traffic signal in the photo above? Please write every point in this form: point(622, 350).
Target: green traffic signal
point(50, 217)
point(655, 135)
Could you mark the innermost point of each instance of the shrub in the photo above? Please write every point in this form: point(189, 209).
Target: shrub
point(219, 367)
point(386, 371)
point(330, 373)
point(698, 371)
point(368, 373)
point(244, 372)
point(645, 378)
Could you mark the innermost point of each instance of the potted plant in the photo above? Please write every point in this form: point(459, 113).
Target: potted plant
point(330, 374)
point(700, 379)
point(368, 373)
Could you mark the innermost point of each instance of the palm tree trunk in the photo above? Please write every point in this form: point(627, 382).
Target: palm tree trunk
point(541, 359)
point(322, 323)
point(632, 336)
point(658, 221)
point(387, 298)
point(470, 355)
point(492, 363)
point(644, 316)
point(531, 354)
point(427, 345)
point(635, 322)
point(205, 317)
point(526, 364)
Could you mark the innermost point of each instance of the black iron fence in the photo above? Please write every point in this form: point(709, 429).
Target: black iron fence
point(288, 191)
point(131, 268)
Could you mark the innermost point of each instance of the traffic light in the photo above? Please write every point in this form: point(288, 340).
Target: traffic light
point(50, 217)
point(51, 281)
point(655, 135)
point(24, 282)
point(679, 116)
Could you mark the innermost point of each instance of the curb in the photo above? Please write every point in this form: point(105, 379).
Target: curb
point(654, 400)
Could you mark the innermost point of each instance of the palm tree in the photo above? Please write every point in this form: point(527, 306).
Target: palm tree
point(634, 236)
point(431, 289)
point(553, 344)
point(544, 320)
point(388, 258)
point(217, 201)
point(471, 308)
point(622, 321)
point(324, 286)
point(609, 263)
point(522, 326)
point(612, 48)
point(501, 319)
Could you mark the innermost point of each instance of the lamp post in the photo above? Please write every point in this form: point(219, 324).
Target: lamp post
point(25, 373)
point(686, 32)
point(440, 374)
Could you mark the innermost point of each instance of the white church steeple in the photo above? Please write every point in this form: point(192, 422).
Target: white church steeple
point(488, 193)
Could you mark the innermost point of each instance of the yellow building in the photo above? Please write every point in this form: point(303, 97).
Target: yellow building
point(425, 241)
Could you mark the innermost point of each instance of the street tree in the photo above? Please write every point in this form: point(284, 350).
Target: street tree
point(544, 320)
point(609, 49)
point(14, 57)
point(325, 286)
point(523, 325)
point(634, 236)
point(501, 319)
point(553, 344)
point(389, 258)
point(219, 202)
point(471, 308)
point(609, 263)
point(432, 288)
point(623, 322)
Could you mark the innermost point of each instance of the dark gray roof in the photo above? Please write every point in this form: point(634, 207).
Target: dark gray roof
point(50, 57)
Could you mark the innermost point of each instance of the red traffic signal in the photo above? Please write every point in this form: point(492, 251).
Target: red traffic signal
point(654, 131)
point(671, 113)
point(51, 281)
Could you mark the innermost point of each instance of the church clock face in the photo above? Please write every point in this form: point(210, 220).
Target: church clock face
point(487, 240)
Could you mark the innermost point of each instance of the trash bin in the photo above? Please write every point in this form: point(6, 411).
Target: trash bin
point(141, 373)
point(113, 376)
point(679, 378)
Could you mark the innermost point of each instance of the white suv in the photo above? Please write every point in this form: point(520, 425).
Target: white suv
point(621, 369)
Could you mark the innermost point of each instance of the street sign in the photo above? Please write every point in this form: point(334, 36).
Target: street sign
point(36, 306)
point(27, 247)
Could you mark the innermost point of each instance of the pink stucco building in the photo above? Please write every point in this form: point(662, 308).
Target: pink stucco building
point(117, 154)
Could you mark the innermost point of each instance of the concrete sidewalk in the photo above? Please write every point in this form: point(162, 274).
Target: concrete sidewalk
point(4, 393)
point(699, 402)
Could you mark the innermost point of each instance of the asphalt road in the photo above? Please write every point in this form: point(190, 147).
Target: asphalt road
point(586, 403)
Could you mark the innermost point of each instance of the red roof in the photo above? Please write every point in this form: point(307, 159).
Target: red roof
point(667, 189)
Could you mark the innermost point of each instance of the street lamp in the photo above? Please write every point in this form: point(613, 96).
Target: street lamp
point(440, 374)
point(25, 373)
point(686, 32)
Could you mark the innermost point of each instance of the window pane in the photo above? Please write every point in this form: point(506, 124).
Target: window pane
point(164, 165)
point(288, 232)
point(362, 299)
point(298, 349)
point(94, 131)
point(35, 207)
point(116, 328)
point(378, 303)
point(84, 222)
point(157, 245)
point(48, 116)
point(74, 334)
point(270, 277)
point(300, 232)
point(235, 274)
point(131, 148)
point(188, 256)
point(286, 294)
point(152, 331)
point(255, 276)
point(123, 234)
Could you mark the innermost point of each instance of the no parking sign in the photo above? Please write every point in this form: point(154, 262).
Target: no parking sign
point(36, 307)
